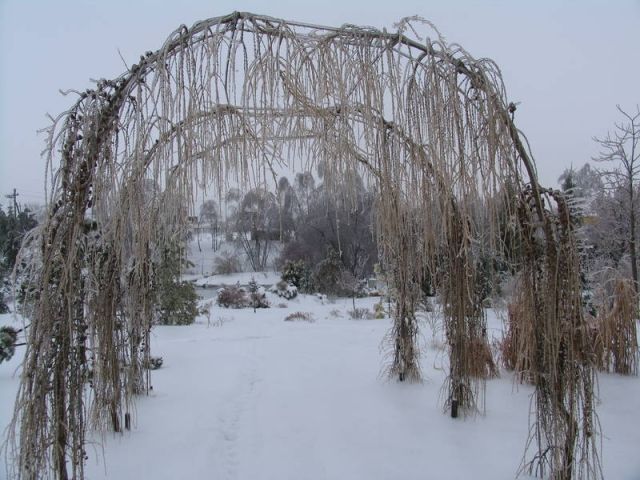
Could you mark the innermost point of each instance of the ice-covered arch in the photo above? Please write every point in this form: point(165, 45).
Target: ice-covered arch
point(235, 98)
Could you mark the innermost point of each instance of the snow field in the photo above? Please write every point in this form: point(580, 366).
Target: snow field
point(246, 395)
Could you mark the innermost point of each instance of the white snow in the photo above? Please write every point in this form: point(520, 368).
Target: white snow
point(217, 280)
point(250, 396)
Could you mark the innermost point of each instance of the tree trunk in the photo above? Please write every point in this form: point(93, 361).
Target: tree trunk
point(632, 238)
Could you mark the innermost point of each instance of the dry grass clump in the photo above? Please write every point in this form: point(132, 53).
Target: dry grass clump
point(616, 331)
point(482, 364)
point(517, 347)
point(299, 317)
point(470, 356)
point(361, 314)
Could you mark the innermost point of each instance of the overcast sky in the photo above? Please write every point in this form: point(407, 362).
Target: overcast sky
point(568, 62)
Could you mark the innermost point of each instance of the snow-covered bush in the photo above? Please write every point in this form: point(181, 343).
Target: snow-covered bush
point(257, 296)
point(232, 296)
point(8, 337)
point(154, 363)
point(327, 277)
point(284, 290)
point(297, 274)
point(258, 300)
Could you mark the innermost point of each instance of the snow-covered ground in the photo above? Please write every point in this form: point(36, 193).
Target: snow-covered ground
point(245, 395)
point(217, 280)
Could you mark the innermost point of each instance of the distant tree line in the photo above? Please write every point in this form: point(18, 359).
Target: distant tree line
point(319, 230)
point(606, 206)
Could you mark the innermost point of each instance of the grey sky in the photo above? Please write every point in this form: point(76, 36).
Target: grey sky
point(568, 62)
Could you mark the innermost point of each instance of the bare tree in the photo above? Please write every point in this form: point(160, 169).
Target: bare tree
point(257, 225)
point(621, 147)
point(327, 221)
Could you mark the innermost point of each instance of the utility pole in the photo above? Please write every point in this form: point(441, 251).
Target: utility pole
point(14, 196)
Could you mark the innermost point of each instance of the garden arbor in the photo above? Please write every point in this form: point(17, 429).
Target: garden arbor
point(234, 99)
